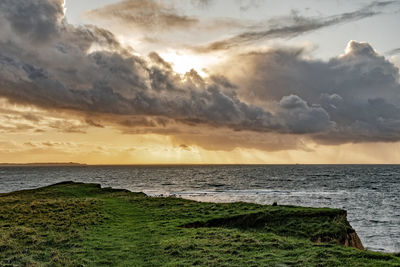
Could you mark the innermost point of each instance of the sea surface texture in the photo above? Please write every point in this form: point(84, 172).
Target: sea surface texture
point(370, 193)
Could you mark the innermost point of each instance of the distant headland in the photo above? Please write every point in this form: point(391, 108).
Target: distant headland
point(44, 164)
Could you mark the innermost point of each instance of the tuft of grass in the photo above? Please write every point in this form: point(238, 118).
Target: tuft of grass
point(75, 224)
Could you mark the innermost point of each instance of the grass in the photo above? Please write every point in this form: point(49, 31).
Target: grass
point(72, 224)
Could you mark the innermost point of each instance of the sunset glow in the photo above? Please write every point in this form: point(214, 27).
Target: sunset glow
point(182, 63)
point(195, 82)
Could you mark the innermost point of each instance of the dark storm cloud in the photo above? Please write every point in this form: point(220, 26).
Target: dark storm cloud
point(302, 118)
point(358, 91)
point(64, 74)
point(294, 26)
point(22, 16)
point(85, 70)
point(146, 14)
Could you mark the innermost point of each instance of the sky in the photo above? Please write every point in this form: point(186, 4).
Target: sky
point(199, 81)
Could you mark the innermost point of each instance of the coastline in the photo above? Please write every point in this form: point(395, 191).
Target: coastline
point(117, 227)
point(43, 164)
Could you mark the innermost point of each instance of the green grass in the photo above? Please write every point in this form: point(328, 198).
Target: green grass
point(73, 224)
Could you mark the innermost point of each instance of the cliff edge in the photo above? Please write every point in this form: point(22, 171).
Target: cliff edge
point(76, 224)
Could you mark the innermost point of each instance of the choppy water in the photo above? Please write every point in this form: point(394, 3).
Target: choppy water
point(370, 194)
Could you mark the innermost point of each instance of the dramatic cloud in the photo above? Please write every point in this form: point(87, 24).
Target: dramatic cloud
point(160, 24)
point(22, 17)
point(30, 120)
point(145, 14)
point(294, 26)
point(301, 118)
point(358, 91)
point(270, 100)
point(86, 70)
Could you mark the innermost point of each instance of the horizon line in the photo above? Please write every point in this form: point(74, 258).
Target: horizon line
point(77, 164)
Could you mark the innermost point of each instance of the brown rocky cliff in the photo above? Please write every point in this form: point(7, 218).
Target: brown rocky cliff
point(348, 239)
point(352, 240)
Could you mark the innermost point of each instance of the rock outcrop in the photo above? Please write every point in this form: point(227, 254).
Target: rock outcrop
point(352, 240)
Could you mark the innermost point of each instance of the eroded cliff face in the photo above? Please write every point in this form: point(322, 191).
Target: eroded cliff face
point(319, 226)
point(348, 237)
point(352, 240)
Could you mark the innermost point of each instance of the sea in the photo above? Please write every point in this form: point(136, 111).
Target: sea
point(369, 193)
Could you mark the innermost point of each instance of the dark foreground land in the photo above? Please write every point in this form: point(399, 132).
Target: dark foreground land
point(73, 224)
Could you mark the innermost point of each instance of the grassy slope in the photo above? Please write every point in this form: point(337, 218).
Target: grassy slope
point(82, 225)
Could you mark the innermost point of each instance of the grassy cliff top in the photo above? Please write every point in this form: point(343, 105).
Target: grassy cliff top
point(75, 224)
